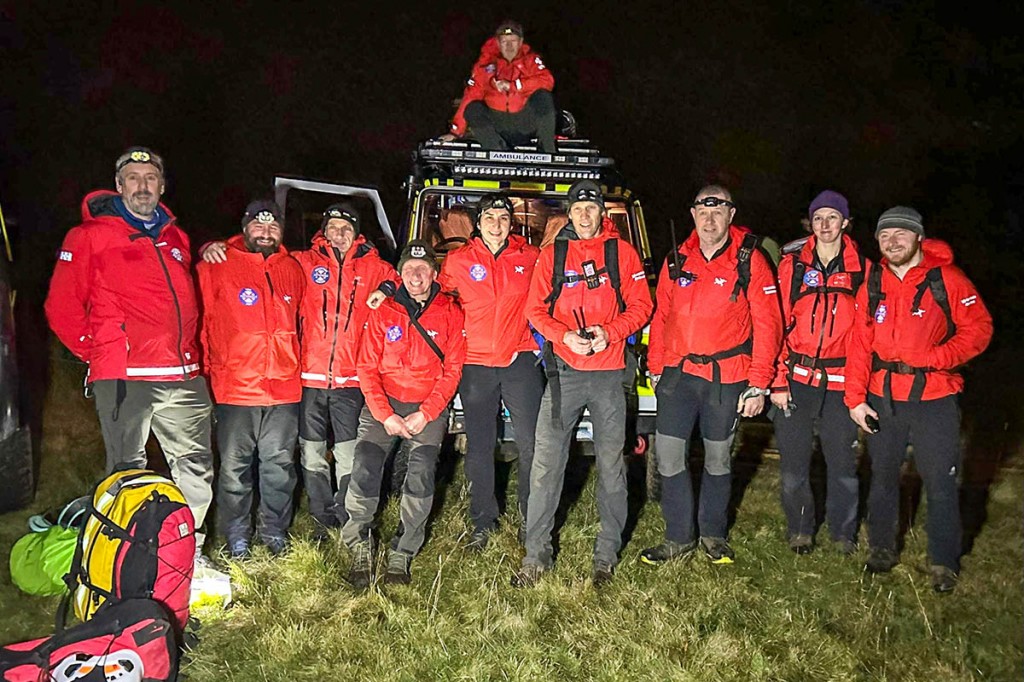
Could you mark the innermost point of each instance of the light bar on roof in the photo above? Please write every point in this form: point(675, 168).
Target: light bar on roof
point(472, 170)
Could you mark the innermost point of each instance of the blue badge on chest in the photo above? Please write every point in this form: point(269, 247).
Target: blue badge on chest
point(477, 272)
point(394, 333)
point(320, 274)
point(880, 313)
point(571, 273)
point(812, 278)
point(248, 296)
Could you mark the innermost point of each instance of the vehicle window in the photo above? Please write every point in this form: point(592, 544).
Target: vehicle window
point(447, 219)
point(304, 210)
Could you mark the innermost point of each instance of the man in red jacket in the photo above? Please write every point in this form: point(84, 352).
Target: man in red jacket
point(818, 285)
point(491, 277)
point(586, 317)
point(251, 353)
point(122, 300)
point(920, 320)
point(409, 366)
point(713, 345)
point(340, 270)
point(508, 95)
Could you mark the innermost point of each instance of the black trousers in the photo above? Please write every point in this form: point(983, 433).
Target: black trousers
point(932, 427)
point(322, 410)
point(817, 407)
point(264, 437)
point(482, 390)
point(495, 129)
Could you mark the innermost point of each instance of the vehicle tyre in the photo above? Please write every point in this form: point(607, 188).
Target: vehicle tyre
point(17, 482)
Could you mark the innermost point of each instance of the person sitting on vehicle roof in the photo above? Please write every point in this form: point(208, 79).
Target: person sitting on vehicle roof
point(507, 99)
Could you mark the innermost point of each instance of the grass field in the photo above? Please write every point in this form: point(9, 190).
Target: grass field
point(771, 616)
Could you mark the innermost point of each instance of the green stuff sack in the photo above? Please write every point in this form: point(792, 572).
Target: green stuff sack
point(40, 560)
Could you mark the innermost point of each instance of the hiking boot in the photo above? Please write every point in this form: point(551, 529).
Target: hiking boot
point(881, 560)
point(478, 541)
point(398, 569)
point(238, 549)
point(322, 533)
point(275, 544)
point(801, 544)
point(718, 550)
point(845, 547)
point(528, 575)
point(360, 573)
point(602, 574)
point(667, 551)
point(943, 579)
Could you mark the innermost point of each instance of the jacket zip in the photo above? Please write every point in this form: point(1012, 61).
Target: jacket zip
point(337, 319)
point(177, 305)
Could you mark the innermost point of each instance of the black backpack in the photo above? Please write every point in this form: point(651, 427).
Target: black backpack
point(932, 281)
point(559, 278)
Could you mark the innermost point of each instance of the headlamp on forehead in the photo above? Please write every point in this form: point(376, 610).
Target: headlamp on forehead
point(711, 202)
point(501, 203)
point(339, 213)
point(138, 155)
point(586, 194)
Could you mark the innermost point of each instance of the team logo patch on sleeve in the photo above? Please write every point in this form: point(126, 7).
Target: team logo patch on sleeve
point(248, 296)
point(65, 256)
point(812, 278)
point(394, 333)
point(881, 313)
point(320, 274)
point(176, 254)
point(478, 272)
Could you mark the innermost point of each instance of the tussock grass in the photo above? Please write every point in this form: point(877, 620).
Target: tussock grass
point(771, 616)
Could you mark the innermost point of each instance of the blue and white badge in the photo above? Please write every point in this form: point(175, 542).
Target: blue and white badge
point(812, 278)
point(571, 283)
point(478, 272)
point(880, 313)
point(320, 274)
point(248, 296)
point(394, 333)
point(176, 254)
point(684, 281)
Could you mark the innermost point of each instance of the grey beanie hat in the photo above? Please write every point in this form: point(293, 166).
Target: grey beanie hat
point(902, 217)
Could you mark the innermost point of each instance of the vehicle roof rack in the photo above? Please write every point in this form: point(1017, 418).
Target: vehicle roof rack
point(576, 159)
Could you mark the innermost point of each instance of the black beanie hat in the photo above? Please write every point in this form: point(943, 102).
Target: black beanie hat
point(344, 211)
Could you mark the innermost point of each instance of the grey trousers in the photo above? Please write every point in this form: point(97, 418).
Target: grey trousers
point(372, 447)
point(178, 412)
point(321, 409)
point(602, 393)
point(266, 437)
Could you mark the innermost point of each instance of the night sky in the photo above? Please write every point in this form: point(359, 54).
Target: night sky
point(888, 102)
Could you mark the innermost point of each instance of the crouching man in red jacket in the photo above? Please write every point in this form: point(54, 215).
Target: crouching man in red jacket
point(251, 353)
point(409, 367)
point(920, 319)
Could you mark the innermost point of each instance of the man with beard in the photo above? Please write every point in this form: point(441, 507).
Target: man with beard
point(920, 320)
point(123, 301)
point(713, 345)
point(587, 296)
point(508, 95)
point(491, 277)
point(251, 353)
point(409, 366)
point(819, 285)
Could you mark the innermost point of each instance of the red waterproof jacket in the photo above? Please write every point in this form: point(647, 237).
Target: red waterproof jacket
point(900, 332)
point(599, 305)
point(249, 333)
point(818, 325)
point(696, 317)
point(492, 291)
point(124, 302)
point(334, 308)
point(526, 73)
point(396, 361)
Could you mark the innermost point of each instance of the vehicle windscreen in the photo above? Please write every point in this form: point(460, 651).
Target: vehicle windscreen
point(446, 219)
point(304, 211)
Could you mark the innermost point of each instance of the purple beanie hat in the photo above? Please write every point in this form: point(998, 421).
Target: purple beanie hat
point(830, 199)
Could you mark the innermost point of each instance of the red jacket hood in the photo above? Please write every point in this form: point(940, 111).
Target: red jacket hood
point(99, 204)
point(934, 253)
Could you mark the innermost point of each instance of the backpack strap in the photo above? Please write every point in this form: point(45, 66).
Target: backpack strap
point(426, 337)
point(933, 281)
point(857, 278)
point(611, 266)
point(557, 274)
point(750, 242)
point(875, 293)
point(796, 281)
